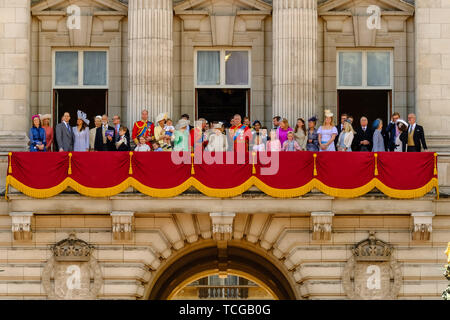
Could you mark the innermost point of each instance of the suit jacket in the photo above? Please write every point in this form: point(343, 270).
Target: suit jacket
point(338, 128)
point(390, 132)
point(360, 136)
point(419, 137)
point(64, 137)
point(109, 146)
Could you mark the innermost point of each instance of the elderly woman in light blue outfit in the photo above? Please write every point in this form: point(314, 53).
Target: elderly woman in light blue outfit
point(181, 136)
point(81, 133)
point(378, 141)
point(327, 133)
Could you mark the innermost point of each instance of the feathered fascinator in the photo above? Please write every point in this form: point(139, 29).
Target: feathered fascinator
point(81, 115)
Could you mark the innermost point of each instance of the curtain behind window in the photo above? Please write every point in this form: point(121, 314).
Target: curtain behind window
point(378, 69)
point(208, 67)
point(236, 67)
point(66, 68)
point(350, 68)
point(94, 68)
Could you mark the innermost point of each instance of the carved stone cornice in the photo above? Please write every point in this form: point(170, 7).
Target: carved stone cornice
point(422, 225)
point(21, 225)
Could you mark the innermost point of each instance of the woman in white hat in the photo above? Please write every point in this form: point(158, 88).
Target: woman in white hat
point(217, 141)
point(327, 133)
point(181, 136)
point(401, 140)
point(81, 133)
point(160, 133)
point(45, 122)
point(93, 131)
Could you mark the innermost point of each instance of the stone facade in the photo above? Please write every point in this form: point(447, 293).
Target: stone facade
point(310, 240)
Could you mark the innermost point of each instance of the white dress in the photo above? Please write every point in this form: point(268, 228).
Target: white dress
point(398, 144)
point(143, 147)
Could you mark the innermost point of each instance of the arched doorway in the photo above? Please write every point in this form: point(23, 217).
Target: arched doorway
point(209, 259)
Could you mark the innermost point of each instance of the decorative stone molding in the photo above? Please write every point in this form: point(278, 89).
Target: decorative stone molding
point(72, 267)
point(222, 225)
point(122, 225)
point(422, 225)
point(321, 225)
point(21, 225)
point(372, 273)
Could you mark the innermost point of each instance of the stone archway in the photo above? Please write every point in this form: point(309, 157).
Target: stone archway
point(207, 257)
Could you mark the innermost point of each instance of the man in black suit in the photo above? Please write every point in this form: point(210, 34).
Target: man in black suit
point(340, 127)
point(392, 131)
point(363, 137)
point(416, 135)
point(104, 142)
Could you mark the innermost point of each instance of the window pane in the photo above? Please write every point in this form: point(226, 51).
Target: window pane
point(236, 67)
point(66, 68)
point(94, 68)
point(208, 67)
point(378, 69)
point(350, 68)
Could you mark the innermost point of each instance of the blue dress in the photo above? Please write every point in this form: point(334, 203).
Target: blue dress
point(37, 136)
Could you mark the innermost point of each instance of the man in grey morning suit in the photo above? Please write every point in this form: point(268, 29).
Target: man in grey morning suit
point(64, 134)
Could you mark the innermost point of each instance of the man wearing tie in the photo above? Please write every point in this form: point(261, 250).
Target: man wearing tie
point(117, 124)
point(103, 141)
point(416, 135)
point(363, 137)
point(64, 134)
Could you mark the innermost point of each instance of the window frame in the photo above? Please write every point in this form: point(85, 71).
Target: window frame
point(80, 84)
point(364, 69)
point(222, 69)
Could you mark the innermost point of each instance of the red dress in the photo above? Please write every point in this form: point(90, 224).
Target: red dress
point(143, 128)
point(241, 134)
point(49, 137)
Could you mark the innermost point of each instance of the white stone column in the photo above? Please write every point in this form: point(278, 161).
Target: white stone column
point(15, 30)
point(294, 58)
point(150, 48)
point(432, 54)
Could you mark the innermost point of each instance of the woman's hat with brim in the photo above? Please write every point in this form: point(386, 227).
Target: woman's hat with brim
point(161, 116)
point(401, 121)
point(328, 113)
point(36, 116)
point(182, 123)
point(217, 126)
point(46, 116)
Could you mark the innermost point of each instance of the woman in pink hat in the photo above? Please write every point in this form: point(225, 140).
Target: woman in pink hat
point(38, 139)
point(45, 121)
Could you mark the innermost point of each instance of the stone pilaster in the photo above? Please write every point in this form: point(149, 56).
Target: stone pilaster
point(294, 77)
point(15, 30)
point(150, 48)
point(432, 48)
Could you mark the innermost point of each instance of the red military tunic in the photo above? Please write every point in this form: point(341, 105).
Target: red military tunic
point(143, 128)
point(240, 134)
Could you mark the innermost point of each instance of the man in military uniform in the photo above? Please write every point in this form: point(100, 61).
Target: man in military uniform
point(144, 128)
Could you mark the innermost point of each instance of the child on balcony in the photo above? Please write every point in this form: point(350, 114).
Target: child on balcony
point(122, 144)
point(290, 144)
point(274, 143)
point(142, 145)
